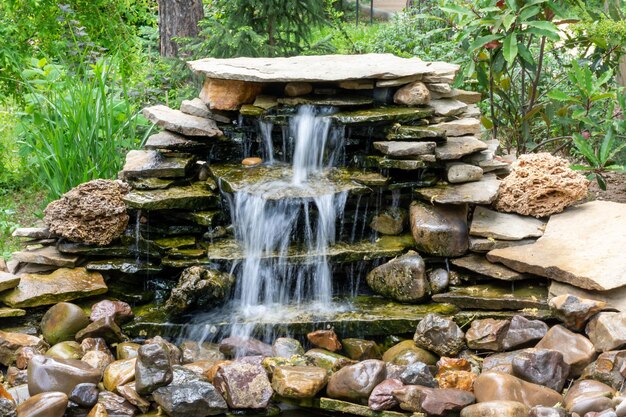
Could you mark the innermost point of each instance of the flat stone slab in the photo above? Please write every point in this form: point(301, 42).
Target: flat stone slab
point(615, 298)
point(335, 101)
point(177, 121)
point(275, 182)
point(193, 197)
point(399, 149)
point(381, 162)
point(480, 265)
point(6, 312)
point(461, 127)
point(33, 233)
point(149, 183)
point(8, 281)
point(173, 142)
point(410, 133)
point(447, 107)
point(457, 147)
point(484, 191)
point(47, 255)
point(320, 68)
point(583, 246)
point(154, 164)
point(387, 114)
point(126, 266)
point(497, 296)
point(64, 284)
point(484, 245)
point(504, 226)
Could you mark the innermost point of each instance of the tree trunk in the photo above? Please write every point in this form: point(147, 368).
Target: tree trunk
point(177, 19)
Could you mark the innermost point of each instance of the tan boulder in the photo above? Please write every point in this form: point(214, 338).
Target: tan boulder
point(299, 382)
point(229, 94)
point(498, 386)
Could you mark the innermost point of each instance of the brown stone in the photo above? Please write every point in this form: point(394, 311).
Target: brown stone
point(461, 380)
point(115, 405)
point(243, 385)
point(439, 230)
point(360, 350)
point(295, 89)
point(10, 343)
point(496, 409)
point(497, 386)
point(487, 334)
point(356, 382)
point(382, 397)
point(434, 402)
point(577, 350)
point(406, 353)
point(104, 328)
point(45, 404)
point(445, 364)
point(119, 373)
point(129, 392)
point(48, 374)
point(440, 335)
point(574, 311)
point(609, 368)
point(607, 331)
point(541, 366)
point(62, 321)
point(523, 331)
point(93, 212)
point(325, 339)
point(118, 310)
point(540, 185)
point(414, 94)
point(299, 382)
point(229, 94)
point(588, 395)
point(252, 161)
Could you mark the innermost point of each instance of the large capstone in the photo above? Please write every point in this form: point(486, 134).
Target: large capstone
point(93, 212)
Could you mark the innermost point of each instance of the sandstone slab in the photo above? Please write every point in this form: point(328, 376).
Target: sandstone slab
point(8, 281)
point(457, 147)
point(448, 107)
point(484, 245)
point(61, 285)
point(461, 127)
point(615, 298)
point(478, 264)
point(402, 148)
point(48, 255)
point(177, 121)
point(492, 224)
point(154, 164)
point(195, 196)
point(173, 142)
point(607, 331)
point(484, 191)
point(320, 68)
point(598, 227)
point(497, 296)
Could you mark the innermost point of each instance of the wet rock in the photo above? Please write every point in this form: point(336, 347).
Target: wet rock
point(478, 264)
point(62, 375)
point(439, 280)
point(243, 385)
point(85, 394)
point(484, 245)
point(487, 334)
point(62, 321)
point(98, 410)
point(540, 185)
point(194, 197)
point(496, 409)
point(153, 369)
point(173, 142)
point(199, 286)
point(500, 362)
point(359, 349)
point(173, 351)
point(382, 397)
point(237, 346)
point(574, 311)
point(461, 380)
point(418, 373)
point(286, 347)
point(406, 353)
point(47, 255)
point(190, 398)
point(455, 148)
point(330, 361)
point(46, 404)
point(477, 192)
point(193, 351)
point(93, 212)
point(413, 94)
point(15, 377)
point(491, 224)
point(11, 343)
point(61, 285)
point(356, 382)
point(104, 328)
point(129, 393)
point(433, 401)
point(325, 339)
point(609, 368)
point(65, 350)
point(587, 395)
point(523, 331)
point(440, 335)
point(541, 411)
point(497, 386)
point(390, 221)
point(298, 382)
point(458, 173)
point(7, 408)
point(439, 230)
point(118, 310)
point(115, 405)
point(402, 279)
point(126, 350)
point(221, 94)
point(607, 331)
point(151, 163)
point(251, 162)
point(98, 359)
point(602, 267)
point(577, 350)
point(118, 373)
point(179, 122)
point(496, 296)
point(541, 366)
point(23, 355)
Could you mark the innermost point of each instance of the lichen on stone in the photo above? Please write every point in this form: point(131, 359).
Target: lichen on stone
point(92, 213)
point(540, 185)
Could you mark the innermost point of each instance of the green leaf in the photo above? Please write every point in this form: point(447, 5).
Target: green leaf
point(559, 95)
point(482, 41)
point(601, 181)
point(509, 48)
point(585, 148)
point(606, 146)
point(525, 54)
point(543, 32)
point(486, 122)
point(507, 20)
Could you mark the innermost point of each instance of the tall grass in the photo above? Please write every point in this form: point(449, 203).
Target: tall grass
point(77, 126)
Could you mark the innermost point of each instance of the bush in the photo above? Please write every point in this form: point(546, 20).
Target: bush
point(76, 127)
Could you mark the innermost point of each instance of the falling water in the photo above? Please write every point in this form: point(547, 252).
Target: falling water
point(265, 128)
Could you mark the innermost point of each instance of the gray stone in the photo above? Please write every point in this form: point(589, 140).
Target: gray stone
point(8, 281)
point(243, 385)
point(458, 173)
point(433, 402)
point(457, 147)
point(154, 164)
point(607, 331)
point(574, 311)
point(381, 397)
point(404, 148)
point(115, 405)
point(418, 373)
point(85, 394)
point(523, 331)
point(440, 335)
point(321, 68)
point(177, 121)
point(7, 408)
point(438, 229)
point(614, 299)
point(477, 263)
point(448, 107)
point(414, 133)
point(557, 254)
point(199, 286)
point(356, 382)
point(484, 191)
point(153, 368)
point(440, 88)
point(484, 245)
point(63, 375)
point(196, 107)
point(504, 226)
point(285, 347)
point(439, 280)
point(461, 127)
point(105, 328)
point(33, 233)
point(48, 255)
point(487, 334)
point(338, 101)
point(402, 279)
point(542, 366)
point(173, 142)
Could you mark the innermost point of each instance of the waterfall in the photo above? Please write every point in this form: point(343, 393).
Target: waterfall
point(265, 129)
